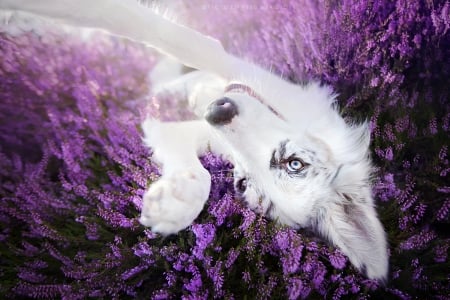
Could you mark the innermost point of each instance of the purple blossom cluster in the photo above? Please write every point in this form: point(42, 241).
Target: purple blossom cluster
point(73, 167)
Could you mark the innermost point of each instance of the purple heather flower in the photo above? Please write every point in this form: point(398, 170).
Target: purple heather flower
point(265, 290)
point(419, 240)
point(441, 251)
point(386, 189)
point(318, 274)
point(194, 284)
point(232, 256)
point(442, 214)
point(31, 276)
point(41, 291)
point(246, 277)
point(116, 219)
point(29, 250)
point(338, 260)
point(290, 245)
point(196, 296)
point(386, 154)
point(401, 295)
point(216, 274)
point(297, 289)
point(91, 228)
point(160, 295)
point(142, 249)
point(339, 292)
point(222, 208)
point(249, 218)
point(204, 234)
point(171, 278)
point(133, 272)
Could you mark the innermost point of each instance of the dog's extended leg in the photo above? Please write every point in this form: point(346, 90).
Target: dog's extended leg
point(129, 19)
point(174, 201)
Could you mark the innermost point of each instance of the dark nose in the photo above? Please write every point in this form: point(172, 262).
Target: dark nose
point(221, 111)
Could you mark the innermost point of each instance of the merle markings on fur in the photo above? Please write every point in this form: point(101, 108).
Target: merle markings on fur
point(296, 159)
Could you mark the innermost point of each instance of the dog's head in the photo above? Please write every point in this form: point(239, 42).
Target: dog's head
point(297, 161)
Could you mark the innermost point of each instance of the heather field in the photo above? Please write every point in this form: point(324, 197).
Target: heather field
point(73, 167)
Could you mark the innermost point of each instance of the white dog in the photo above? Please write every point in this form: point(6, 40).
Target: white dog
point(295, 158)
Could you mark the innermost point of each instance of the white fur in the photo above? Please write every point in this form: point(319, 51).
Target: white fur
point(332, 195)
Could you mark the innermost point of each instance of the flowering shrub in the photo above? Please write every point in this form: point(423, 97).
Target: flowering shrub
point(73, 168)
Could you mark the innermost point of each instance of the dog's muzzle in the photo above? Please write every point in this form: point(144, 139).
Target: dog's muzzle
point(221, 111)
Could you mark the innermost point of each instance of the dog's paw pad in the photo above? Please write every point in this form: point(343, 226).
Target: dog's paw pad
point(172, 203)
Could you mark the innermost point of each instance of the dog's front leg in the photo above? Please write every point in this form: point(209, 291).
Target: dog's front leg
point(174, 201)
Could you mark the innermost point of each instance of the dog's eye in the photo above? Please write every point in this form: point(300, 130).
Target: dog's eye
point(241, 185)
point(294, 165)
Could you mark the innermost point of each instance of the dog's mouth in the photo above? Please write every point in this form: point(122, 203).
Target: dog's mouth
point(237, 87)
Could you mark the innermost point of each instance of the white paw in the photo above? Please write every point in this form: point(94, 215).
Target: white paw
point(172, 203)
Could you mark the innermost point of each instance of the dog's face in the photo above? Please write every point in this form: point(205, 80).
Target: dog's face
point(280, 170)
point(284, 180)
point(304, 168)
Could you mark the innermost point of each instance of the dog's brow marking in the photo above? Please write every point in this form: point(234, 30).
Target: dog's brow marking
point(274, 162)
point(239, 87)
point(283, 149)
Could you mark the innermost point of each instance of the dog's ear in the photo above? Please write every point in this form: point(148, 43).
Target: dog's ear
point(349, 220)
point(356, 230)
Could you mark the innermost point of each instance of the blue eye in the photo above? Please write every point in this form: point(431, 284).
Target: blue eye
point(294, 165)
